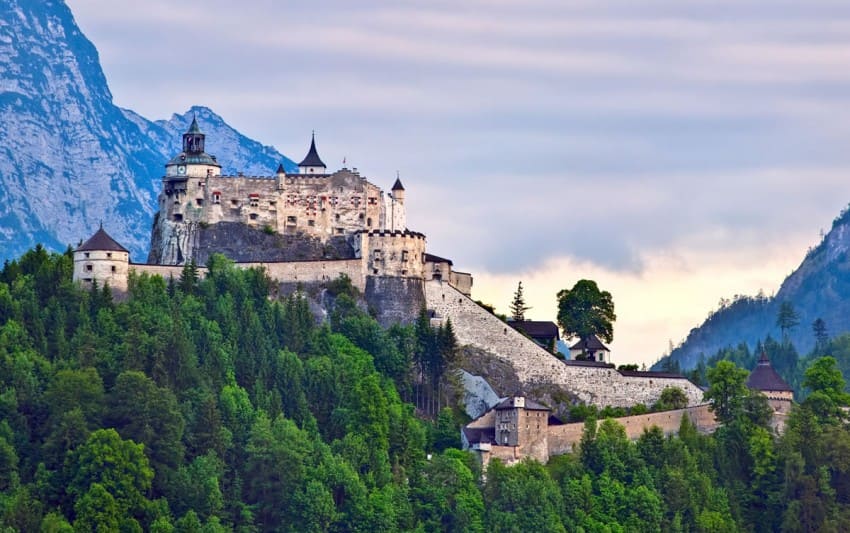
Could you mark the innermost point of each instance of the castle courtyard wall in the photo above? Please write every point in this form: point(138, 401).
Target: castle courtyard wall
point(475, 326)
point(566, 438)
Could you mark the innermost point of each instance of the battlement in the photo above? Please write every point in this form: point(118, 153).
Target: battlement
point(394, 233)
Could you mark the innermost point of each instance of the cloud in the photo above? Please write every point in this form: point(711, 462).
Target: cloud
point(647, 142)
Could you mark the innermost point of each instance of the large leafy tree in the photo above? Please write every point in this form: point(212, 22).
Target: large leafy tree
point(585, 310)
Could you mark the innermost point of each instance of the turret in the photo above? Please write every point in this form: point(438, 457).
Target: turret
point(312, 163)
point(193, 161)
point(101, 259)
point(396, 215)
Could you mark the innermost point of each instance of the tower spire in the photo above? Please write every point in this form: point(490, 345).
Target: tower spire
point(312, 163)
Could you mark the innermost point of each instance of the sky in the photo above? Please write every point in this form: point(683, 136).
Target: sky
point(675, 151)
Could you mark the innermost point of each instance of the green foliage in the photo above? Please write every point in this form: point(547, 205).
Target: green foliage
point(206, 406)
point(584, 310)
point(518, 307)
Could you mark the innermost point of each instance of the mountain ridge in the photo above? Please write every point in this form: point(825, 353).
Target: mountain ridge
point(818, 288)
point(71, 159)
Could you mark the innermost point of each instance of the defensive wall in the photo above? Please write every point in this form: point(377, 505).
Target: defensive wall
point(474, 325)
point(566, 438)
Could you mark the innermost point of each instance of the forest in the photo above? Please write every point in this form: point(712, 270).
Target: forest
point(205, 405)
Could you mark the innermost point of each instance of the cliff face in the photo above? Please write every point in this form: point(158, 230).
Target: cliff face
point(69, 157)
point(818, 288)
point(170, 243)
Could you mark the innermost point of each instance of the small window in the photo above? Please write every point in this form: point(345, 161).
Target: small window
point(88, 268)
point(254, 201)
point(336, 217)
point(369, 222)
point(340, 231)
point(404, 256)
point(272, 202)
point(178, 217)
point(234, 202)
point(216, 198)
point(113, 268)
point(291, 220)
point(311, 223)
point(87, 255)
point(109, 255)
point(199, 201)
point(253, 216)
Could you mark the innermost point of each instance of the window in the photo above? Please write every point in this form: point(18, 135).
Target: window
point(336, 217)
point(234, 202)
point(113, 268)
point(378, 255)
point(88, 268)
point(178, 217)
point(109, 255)
point(340, 231)
point(291, 220)
point(253, 216)
point(199, 201)
point(311, 223)
point(254, 201)
point(404, 256)
point(87, 255)
point(216, 197)
point(369, 222)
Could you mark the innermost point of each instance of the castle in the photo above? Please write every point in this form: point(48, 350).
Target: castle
point(310, 227)
point(306, 227)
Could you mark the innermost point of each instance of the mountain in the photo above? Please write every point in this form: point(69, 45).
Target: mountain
point(69, 157)
point(818, 288)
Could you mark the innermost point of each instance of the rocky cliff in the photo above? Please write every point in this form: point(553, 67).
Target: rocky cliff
point(69, 157)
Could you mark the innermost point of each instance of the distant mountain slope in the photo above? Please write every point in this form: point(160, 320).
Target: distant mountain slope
point(818, 288)
point(70, 158)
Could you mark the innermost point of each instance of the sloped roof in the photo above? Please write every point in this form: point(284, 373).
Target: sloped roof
point(591, 343)
point(398, 186)
point(312, 159)
point(479, 435)
point(537, 328)
point(280, 169)
point(101, 241)
point(431, 258)
point(193, 127)
point(510, 403)
point(765, 378)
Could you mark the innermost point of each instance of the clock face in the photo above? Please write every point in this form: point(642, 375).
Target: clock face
point(181, 169)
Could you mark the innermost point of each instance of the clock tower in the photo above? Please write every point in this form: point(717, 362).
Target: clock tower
point(193, 161)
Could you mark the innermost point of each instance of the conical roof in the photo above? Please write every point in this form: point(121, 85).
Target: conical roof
point(101, 241)
point(280, 169)
point(398, 186)
point(765, 378)
point(193, 127)
point(312, 159)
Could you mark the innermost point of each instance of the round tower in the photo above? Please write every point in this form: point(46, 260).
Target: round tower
point(395, 210)
point(101, 259)
point(393, 253)
point(193, 161)
point(312, 163)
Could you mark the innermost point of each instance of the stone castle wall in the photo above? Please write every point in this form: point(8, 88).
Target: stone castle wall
point(107, 267)
point(475, 326)
point(339, 204)
point(566, 438)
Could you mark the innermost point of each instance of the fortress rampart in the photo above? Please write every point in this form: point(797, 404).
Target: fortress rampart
point(474, 325)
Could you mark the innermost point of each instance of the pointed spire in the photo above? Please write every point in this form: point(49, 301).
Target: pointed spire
point(397, 186)
point(312, 159)
point(193, 127)
point(280, 169)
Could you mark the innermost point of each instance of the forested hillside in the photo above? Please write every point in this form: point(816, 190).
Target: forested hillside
point(818, 289)
point(204, 405)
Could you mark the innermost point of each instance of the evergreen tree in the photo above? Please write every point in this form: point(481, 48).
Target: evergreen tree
point(518, 307)
point(787, 319)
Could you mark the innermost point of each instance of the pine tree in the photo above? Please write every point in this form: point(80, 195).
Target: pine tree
point(518, 307)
